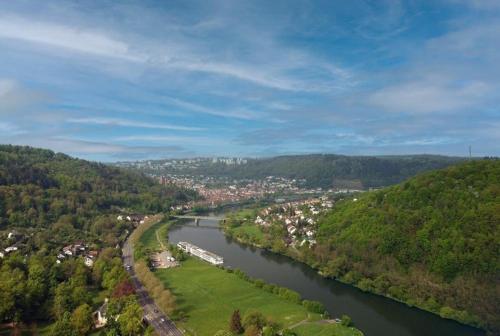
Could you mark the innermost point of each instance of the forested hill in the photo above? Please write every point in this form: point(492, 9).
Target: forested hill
point(58, 233)
point(329, 170)
point(39, 188)
point(432, 241)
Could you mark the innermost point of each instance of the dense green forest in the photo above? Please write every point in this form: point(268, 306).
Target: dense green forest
point(52, 200)
point(39, 187)
point(432, 241)
point(328, 170)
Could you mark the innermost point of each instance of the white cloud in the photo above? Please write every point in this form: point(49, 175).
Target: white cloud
point(182, 52)
point(242, 72)
point(232, 113)
point(61, 36)
point(9, 129)
point(130, 123)
point(88, 148)
point(14, 98)
point(428, 96)
point(6, 86)
point(199, 141)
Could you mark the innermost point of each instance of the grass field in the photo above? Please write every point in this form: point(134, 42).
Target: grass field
point(251, 230)
point(148, 239)
point(209, 295)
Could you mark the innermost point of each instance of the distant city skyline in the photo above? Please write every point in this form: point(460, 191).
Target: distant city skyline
point(143, 80)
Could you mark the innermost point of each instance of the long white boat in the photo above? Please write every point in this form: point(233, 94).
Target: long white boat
point(200, 253)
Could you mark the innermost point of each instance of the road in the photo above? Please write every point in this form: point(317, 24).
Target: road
point(152, 313)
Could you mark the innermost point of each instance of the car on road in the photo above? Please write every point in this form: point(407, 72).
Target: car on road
point(162, 320)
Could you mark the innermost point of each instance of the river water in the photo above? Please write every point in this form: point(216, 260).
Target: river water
point(372, 314)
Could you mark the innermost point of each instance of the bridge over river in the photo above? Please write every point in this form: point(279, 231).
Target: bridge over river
point(198, 218)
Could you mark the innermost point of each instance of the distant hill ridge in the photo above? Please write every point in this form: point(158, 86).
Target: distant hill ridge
point(326, 170)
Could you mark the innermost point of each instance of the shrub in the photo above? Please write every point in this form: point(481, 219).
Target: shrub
point(345, 321)
point(314, 306)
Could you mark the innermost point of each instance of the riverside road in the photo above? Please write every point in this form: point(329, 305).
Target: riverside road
point(152, 313)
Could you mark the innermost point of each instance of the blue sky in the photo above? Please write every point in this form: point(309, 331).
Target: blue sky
point(132, 80)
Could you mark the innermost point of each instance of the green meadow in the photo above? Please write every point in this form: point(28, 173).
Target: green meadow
point(209, 295)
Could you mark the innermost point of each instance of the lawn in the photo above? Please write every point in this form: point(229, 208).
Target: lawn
point(209, 295)
point(148, 239)
point(251, 230)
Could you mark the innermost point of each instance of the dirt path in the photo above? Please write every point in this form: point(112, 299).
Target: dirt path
point(159, 240)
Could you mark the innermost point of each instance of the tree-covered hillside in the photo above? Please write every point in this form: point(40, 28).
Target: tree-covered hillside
point(58, 232)
point(432, 241)
point(39, 187)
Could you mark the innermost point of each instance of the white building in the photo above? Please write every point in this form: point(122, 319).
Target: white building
point(100, 315)
point(201, 253)
point(89, 261)
point(10, 249)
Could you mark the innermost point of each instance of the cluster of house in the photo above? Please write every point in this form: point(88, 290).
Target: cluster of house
point(223, 190)
point(78, 249)
point(299, 219)
point(13, 237)
point(134, 218)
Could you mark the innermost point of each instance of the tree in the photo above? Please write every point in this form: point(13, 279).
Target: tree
point(124, 288)
point(12, 293)
point(63, 326)
point(254, 318)
point(252, 330)
point(235, 323)
point(81, 319)
point(130, 319)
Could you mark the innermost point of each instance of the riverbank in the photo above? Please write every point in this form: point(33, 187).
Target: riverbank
point(242, 229)
point(207, 296)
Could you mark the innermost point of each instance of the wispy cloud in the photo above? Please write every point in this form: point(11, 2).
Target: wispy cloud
point(429, 96)
point(182, 54)
point(222, 112)
point(9, 129)
point(14, 97)
point(130, 123)
point(170, 139)
point(102, 150)
point(80, 40)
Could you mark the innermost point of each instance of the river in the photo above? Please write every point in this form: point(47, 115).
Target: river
point(372, 314)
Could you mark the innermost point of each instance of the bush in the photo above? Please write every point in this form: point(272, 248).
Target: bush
point(314, 306)
point(345, 321)
point(259, 283)
point(254, 318)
